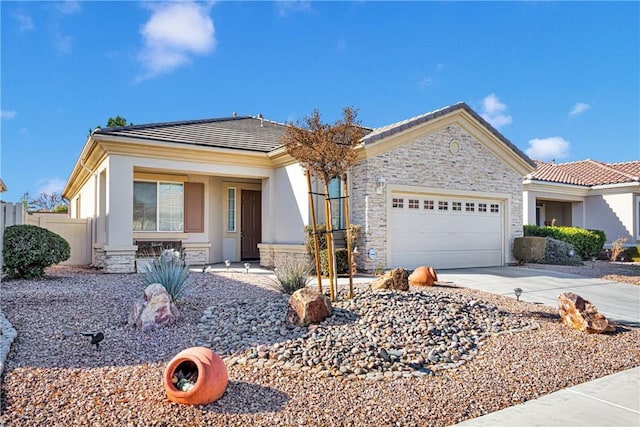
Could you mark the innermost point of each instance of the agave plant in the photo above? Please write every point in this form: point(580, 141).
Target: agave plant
point(171, 271)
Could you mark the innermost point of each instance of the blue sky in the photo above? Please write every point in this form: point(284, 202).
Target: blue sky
point(560, 80)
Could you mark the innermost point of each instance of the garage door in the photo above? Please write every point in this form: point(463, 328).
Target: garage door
point(445, 232)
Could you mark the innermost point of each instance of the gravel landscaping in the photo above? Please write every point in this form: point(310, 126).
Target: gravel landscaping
point(512, 352)
point(624, 272)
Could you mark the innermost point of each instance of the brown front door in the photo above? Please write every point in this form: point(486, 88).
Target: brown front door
point(250, 223)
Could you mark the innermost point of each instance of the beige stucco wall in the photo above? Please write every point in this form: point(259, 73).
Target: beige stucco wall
point(612, 213)
point(427, 162)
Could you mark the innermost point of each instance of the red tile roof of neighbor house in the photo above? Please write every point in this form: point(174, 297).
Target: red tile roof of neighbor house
point(587, 172)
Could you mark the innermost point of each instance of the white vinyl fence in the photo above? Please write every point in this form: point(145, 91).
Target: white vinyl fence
point(74, 230)
point(10, 214)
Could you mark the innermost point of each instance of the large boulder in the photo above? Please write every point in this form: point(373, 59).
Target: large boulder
point(308, 306)
point(578, 313)
point(154, 309)
point(396, 279)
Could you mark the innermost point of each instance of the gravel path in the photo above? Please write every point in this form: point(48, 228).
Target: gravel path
point(54, 377)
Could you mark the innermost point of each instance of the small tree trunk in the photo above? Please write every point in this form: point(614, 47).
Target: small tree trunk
point(315, 233)
point(329, 236)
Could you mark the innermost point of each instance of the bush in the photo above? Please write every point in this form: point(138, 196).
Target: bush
point(342, 266)
point(587, 243)
point(29, 249)
point(291, 274)
point(171, 271)
point(632, 254)
point(341, 253)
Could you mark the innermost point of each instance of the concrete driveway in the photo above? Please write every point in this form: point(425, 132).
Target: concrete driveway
point(619, 302)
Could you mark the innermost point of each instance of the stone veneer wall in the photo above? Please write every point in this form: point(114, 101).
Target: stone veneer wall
point(120, 262)
point(272, 254)
point(428, 162)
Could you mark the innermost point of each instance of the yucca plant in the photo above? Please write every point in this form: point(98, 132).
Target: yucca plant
point(171, 271)
point(291, 274)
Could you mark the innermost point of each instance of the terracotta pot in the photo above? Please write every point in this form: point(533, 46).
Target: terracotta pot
point(433, 274)
point(421, 277)
point(207, 372)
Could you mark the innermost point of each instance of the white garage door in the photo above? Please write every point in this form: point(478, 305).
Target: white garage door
point(445, 232)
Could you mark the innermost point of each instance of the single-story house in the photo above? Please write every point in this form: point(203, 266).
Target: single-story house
point(442, 189)
point(587, 194)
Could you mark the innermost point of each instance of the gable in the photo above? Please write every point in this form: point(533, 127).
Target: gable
point(392, 137)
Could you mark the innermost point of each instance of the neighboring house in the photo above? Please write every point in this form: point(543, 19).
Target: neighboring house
point(587, 194)
point(441, 189)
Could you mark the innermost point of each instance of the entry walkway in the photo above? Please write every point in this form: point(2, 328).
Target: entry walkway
point(613, 400)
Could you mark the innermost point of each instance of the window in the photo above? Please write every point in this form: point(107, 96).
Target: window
point(414, 204)
point(158, 206)
point(398, 203)
point(470, 207)
point(482, 207)
point(337, 203)
point(456, 206)
point(495, 208)
point(443, 206)
point(428, 205)
point(231, 209)
point(638, 217)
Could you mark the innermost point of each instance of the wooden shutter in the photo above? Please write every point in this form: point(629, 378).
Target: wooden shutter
point(193, 207)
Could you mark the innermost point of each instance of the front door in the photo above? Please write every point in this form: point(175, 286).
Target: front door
point(250, 223)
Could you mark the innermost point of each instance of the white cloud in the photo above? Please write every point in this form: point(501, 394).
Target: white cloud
point(7, 114)
point(547, 149)
point(424, 82)
point(25, 23)
point(63, 43)
point(493, 111)
point(174, 33)
point(68, 7)
point(289, 7)
point(49, 185)
point(579, 108)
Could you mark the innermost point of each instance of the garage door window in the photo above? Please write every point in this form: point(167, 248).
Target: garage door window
point(470, 207)
point(443, 206)
point(482, 207)
point(456, 206)
point(414, 204)
point(398, 203)
point(495, 208)
point(428, 205)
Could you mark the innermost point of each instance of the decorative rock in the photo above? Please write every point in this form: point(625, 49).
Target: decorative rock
point(396, 279)
point(421, 277)
point(580, 314)
point(154, 309)
point(308, 306)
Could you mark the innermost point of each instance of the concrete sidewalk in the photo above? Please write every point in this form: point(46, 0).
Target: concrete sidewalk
point(609, 401)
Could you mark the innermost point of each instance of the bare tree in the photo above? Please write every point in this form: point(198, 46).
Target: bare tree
point(327, 152)
point(48, 202)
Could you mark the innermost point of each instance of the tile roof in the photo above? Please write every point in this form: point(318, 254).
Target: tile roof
point(587, 172)
point(385, 131)
point(240, 133)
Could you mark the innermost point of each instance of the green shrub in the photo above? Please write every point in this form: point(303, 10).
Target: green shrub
point(342, 266)
point(291, 274)
point(587, 243)
point(632, 254)
point(341, 253)
point(29, 249)
point(171, 271)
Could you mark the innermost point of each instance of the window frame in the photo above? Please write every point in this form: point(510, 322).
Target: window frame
point(157, 207)
point(232, 211)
